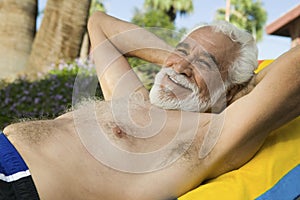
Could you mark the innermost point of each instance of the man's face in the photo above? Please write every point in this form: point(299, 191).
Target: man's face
point(195, 74)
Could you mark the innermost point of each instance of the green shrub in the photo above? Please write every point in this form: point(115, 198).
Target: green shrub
point(47, 97)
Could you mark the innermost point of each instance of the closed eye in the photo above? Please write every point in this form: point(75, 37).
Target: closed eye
point(182, 51)
point(202, 62)
point(208, 61)
point(183, 48)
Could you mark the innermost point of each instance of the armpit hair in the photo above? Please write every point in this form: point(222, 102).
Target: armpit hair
point(29, 131)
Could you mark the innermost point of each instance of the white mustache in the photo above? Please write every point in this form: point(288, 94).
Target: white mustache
point(180, 79)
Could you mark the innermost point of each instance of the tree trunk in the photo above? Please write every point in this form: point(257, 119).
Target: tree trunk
point(85, 47)
point(17, 30)
point(60, 35)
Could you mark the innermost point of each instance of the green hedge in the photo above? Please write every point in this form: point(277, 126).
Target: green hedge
point(47, 97)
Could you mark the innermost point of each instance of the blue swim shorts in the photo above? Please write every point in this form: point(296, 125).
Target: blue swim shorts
point(15, 179)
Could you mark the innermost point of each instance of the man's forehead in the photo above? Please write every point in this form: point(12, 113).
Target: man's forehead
point(209, 39)
point(200, 39)
point(202, 34)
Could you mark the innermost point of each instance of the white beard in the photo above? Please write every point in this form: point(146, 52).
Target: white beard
point(193, 102)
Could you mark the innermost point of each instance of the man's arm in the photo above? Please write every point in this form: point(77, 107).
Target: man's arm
point(247, 122)
point(111, 39)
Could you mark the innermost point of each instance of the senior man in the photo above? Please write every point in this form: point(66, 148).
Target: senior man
point(126, 148)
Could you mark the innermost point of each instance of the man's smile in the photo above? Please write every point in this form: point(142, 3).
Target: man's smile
point(174, 80)
point(171, 84)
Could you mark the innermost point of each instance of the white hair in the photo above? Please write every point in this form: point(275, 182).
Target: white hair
point(242, 67)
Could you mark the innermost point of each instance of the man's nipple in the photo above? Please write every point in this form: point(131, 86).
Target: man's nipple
point(118, 132)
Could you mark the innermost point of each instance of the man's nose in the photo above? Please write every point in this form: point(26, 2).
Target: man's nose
point(180, 65)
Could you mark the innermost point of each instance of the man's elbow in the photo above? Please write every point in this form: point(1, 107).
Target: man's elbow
point(94, 20)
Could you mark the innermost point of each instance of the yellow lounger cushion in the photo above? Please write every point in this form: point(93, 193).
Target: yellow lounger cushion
point(273, 173)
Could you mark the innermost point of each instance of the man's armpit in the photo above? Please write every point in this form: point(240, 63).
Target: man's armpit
point(212, 135)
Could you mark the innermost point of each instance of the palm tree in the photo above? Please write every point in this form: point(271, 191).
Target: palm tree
point(96, 5)
point(17, 30)
point(171, 7)
point(61, 33)
point(246, 14)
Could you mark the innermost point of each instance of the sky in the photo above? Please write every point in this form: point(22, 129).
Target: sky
point(204, 10)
